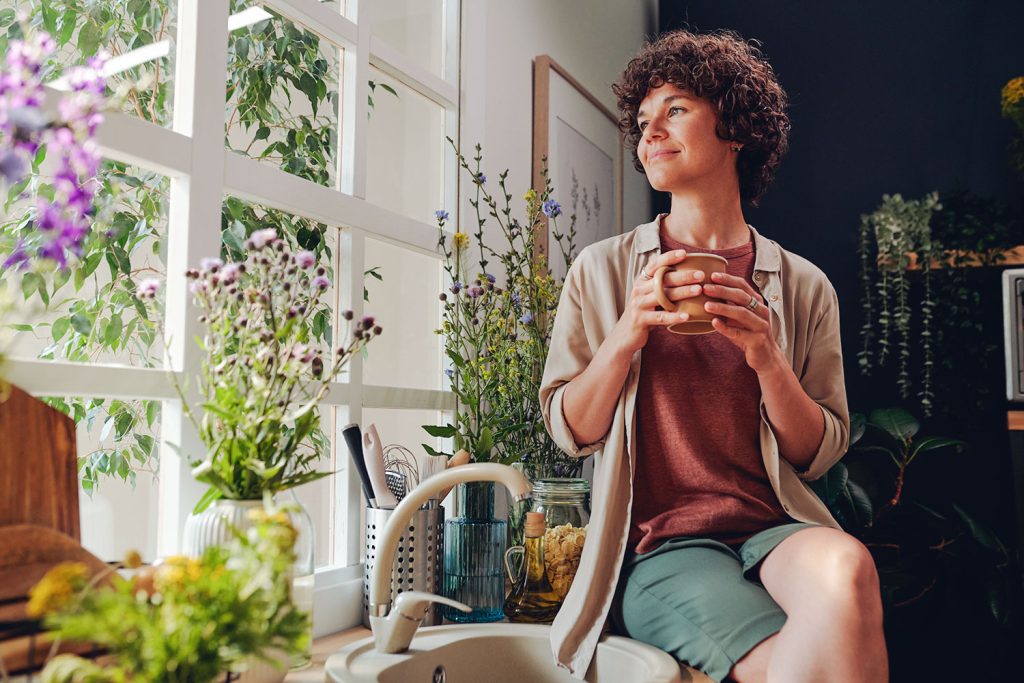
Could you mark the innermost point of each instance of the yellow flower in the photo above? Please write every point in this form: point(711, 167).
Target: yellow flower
point(460, 241)
point(530, 195)
point(1013, 93)
point(56, 588)
point(132, 559)
point(175, 571)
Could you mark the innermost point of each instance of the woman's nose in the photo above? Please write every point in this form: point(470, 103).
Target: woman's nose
point(654, 129)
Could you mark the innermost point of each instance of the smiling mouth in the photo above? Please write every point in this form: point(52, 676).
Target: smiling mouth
point(659, 155)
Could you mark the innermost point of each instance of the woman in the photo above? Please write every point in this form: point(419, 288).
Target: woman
point(704, 539)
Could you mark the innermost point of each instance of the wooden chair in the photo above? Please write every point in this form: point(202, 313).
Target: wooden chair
point(39, 520)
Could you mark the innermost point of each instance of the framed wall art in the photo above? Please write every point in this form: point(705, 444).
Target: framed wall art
point(580, 139)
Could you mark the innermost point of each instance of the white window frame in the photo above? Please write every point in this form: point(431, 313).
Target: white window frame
point(202, 173)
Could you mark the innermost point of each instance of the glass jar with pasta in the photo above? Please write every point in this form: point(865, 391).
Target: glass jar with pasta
point(566, 507)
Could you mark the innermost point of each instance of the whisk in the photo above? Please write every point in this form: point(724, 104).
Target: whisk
point(401, 470)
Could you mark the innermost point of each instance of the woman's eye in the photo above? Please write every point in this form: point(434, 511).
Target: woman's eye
point(643, 125)
point(675, 109)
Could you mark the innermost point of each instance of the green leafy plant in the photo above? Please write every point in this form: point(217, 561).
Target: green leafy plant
point(888, 237)
point(185, 620)
point(263, 374)
point(497, 337)
point(915, 545)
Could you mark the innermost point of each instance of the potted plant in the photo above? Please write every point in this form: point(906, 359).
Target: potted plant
point(262, 377)
point(888, 237)
point(497, 339)
point(185, 620)
point(260, 383)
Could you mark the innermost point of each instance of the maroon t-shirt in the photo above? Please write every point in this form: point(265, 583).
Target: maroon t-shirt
point(699, 470)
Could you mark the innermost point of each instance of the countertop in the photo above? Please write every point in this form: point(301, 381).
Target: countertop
point(322, 649)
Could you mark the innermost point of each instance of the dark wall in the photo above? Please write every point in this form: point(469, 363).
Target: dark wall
point(900, 97)
point(886, 97)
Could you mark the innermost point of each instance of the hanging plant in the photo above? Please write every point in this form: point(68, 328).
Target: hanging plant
point(888, 238)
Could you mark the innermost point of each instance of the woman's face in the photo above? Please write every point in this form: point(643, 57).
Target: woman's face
point(679, 148)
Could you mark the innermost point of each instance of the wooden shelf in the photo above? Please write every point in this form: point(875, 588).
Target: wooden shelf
point(1011, 257)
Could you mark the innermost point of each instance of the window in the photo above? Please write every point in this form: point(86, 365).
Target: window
point(296, 113)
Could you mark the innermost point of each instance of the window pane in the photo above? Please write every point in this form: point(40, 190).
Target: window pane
point(318, 496)
point(405, 151)
point(139, 36)
point(117, 442)
point(405, 301)
point(89, 313)
point(413, 27)
point(282, 95)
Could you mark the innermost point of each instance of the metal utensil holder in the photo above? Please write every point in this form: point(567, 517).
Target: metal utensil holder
point(418, 558)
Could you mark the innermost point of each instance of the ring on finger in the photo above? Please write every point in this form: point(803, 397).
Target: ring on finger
point(753, 303)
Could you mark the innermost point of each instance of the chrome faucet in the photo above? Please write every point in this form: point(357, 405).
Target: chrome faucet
point(393, 630)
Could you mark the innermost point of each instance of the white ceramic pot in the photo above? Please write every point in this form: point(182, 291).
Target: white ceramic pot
point(212, 526)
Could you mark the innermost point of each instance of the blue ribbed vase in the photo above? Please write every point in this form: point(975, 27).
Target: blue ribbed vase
point(474, 548)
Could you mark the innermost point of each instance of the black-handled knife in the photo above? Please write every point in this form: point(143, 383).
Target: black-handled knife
point(354, 438)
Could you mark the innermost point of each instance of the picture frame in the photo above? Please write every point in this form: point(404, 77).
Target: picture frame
point(580, 139)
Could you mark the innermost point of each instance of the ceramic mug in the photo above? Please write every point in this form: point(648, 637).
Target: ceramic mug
point(699, 321)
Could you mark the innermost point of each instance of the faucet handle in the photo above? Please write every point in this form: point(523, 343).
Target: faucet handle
point(414, 604)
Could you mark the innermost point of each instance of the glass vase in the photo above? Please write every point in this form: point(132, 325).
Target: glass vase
point(474, 550)
point(303, 570)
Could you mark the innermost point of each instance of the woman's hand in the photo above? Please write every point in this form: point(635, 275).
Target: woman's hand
point(742, 322)
point(642, 312)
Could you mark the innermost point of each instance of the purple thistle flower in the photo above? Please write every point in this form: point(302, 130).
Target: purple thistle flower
point(441, 215)
point(229, 274)
point(490, 278)
point(210, 265)
point(148, 288)
point(321, 283)
point(551, 209)
point(456, 287)
point(305, 259)
point(261, 238)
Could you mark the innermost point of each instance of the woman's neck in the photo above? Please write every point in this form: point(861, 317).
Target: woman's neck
point(706, 221)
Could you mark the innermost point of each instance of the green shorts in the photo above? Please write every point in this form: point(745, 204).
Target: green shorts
point(701, 600)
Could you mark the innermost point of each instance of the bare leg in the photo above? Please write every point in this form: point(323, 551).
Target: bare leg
point(753, 668)
point(825, 581)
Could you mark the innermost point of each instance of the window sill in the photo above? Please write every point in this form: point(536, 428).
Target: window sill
point(323, 648)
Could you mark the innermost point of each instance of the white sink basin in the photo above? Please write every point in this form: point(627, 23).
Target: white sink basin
point(500, 653)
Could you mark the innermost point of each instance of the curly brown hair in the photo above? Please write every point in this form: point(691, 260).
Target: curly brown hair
point(735, 76)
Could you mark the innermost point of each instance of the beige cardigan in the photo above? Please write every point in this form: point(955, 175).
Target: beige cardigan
point(805, 319)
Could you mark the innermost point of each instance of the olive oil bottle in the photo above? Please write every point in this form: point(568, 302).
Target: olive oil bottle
point(532, 599)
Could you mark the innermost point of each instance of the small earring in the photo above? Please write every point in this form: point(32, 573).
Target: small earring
point(735, 149)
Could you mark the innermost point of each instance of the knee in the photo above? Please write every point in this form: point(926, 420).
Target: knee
point(850, 578)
